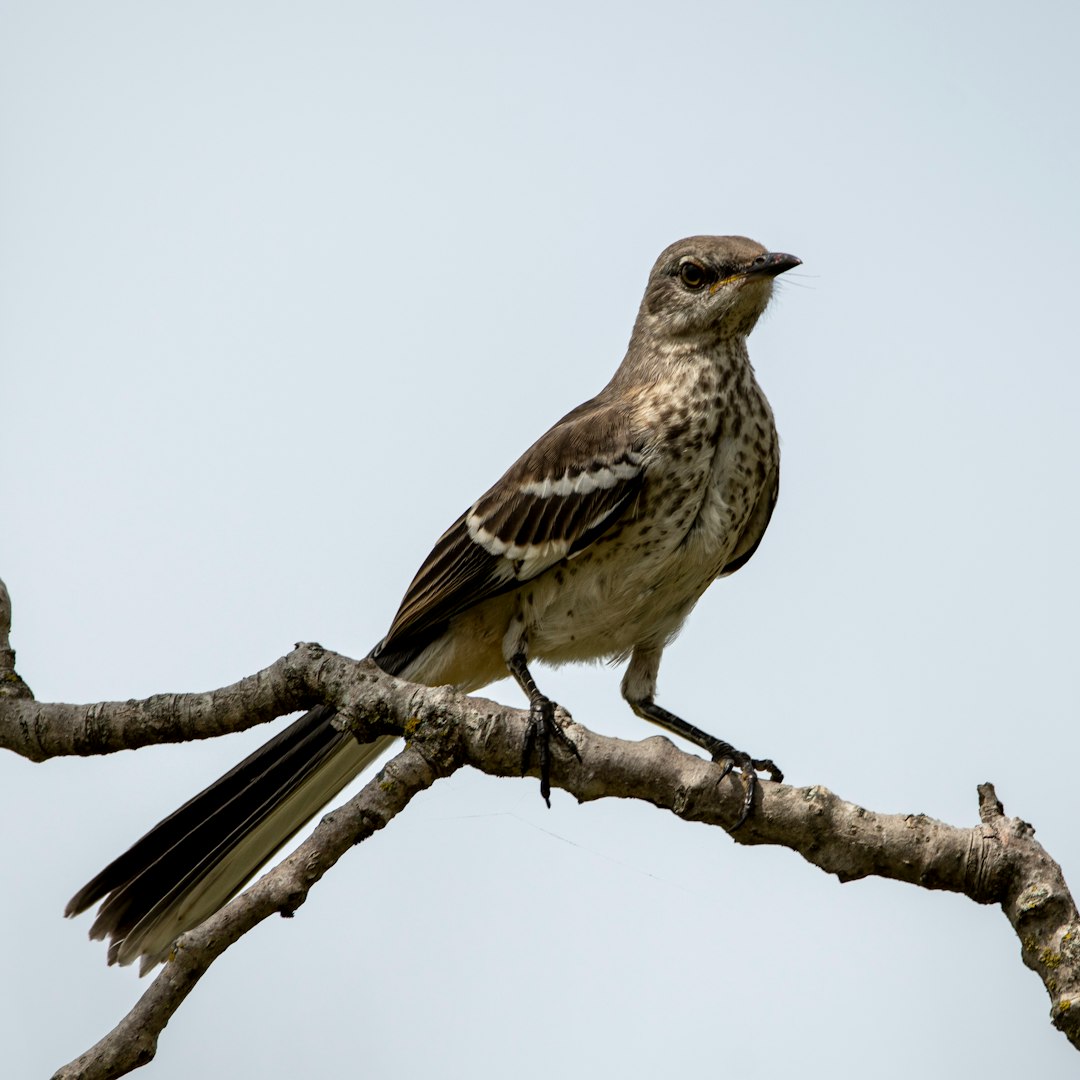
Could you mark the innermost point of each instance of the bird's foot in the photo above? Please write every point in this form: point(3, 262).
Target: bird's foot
point(728, 758)
point(543, 727)
point(723, 753)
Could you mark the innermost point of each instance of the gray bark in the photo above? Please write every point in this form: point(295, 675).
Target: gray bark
point(997, 861)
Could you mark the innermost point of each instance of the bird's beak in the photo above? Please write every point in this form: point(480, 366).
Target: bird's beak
point(776, 262)
point(768, 265)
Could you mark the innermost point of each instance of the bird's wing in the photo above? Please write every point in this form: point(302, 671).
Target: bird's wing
point(560, 496)
point(755, 527)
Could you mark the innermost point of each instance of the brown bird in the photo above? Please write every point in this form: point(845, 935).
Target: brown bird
point(595, 544)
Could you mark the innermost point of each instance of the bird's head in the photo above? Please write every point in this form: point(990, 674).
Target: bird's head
point(713, 286)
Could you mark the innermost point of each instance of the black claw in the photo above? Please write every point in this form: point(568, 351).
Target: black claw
point(727, 757)
point(568, 744)
point(750, 783)
point(538, 735)
point(528, 744)
point(769, 766)
point(723, 751)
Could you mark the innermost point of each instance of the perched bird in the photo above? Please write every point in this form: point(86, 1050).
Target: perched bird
point(596, 543)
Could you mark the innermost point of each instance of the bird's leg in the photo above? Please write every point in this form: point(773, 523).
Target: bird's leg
point(638, 687)
point(542, 726)
point(721, 752)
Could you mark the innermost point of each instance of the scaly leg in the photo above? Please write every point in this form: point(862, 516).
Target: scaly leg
point(542, 726)
point(638, 688)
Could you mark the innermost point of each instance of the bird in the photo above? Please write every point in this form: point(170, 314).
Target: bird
point(594, 545)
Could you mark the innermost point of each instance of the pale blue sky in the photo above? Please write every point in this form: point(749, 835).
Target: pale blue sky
point(284, 287)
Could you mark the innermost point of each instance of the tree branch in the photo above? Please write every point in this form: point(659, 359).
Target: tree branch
point(998, 861)
point(11, 686)
point(133, 1042)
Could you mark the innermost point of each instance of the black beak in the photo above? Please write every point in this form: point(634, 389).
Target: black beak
point(773, 264)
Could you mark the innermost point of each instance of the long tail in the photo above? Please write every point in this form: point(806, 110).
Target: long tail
point(194, 861)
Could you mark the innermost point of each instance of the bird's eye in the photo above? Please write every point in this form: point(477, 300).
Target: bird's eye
point(693, 275)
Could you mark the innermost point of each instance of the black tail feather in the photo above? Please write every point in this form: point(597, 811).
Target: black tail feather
point(196, 816)
point(193, 860)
